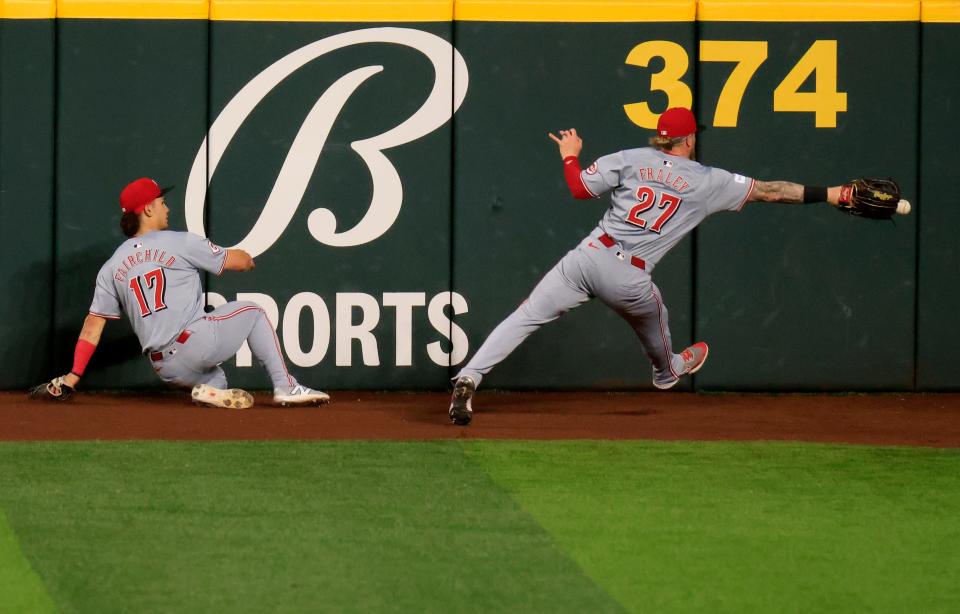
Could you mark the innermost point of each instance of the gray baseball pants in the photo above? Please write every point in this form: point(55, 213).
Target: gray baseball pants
point(217, 337)
point(588, 271)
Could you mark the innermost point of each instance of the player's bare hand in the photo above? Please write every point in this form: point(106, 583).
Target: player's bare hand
point(238, 260)
point(569, 142)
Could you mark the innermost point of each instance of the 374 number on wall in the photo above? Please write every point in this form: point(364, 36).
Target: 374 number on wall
point(746, 56)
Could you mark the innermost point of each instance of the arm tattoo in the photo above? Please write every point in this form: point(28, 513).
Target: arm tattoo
point(777, 192)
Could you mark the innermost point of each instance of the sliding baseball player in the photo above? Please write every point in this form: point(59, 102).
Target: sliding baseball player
point(154, 279)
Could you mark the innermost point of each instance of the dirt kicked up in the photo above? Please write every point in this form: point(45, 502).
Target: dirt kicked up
point(886, 419)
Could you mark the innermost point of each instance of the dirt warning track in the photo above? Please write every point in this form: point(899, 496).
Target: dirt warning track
point(886, 419)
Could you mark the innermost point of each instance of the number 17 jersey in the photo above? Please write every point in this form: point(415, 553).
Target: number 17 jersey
point(155, 280)
point(658, 198)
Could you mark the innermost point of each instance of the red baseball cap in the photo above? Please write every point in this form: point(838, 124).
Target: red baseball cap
point(138, 194)
point(676, 122)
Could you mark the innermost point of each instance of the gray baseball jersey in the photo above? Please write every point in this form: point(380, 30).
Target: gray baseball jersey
point(658, 198)
point(155, 280)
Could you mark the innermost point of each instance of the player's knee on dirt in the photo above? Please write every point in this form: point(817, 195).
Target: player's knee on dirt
point(214, 377)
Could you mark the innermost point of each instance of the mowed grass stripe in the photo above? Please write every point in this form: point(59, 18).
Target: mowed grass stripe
point(264, 527)
point(725, 527)
point(21, 590)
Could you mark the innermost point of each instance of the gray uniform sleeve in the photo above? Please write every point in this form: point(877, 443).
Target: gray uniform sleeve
point(728, 191)
point(106, 303)
point(203, 253)
point(603, 175)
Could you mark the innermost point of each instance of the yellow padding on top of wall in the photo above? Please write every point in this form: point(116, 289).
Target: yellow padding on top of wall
point(586, 11)
point(589, 11)
point(809, 10)
point(942, 11)
point(132, 9)
point(28, 9)
point(332, 10)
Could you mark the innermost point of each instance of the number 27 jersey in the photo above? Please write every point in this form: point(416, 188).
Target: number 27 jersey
point(658, 198)
point(155, 280)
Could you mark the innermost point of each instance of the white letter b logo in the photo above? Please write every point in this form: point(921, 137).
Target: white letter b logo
point(301, 160)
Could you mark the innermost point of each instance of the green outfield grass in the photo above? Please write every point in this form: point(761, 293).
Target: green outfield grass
point(477, 526)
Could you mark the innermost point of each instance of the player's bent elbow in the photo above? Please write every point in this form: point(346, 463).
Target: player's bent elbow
point(579, 192)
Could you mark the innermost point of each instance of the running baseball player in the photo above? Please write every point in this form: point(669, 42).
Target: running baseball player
point(154, 278)
point(658, 195)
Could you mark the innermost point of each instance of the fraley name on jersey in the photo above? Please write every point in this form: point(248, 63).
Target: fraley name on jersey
point(667, 178)
point(139, 257)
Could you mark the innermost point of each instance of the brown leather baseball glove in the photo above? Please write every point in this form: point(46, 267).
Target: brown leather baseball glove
point(54, 390)
point(876, 199)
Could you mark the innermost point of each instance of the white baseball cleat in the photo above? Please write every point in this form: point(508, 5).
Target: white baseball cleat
point(231, 398)
point(461, 411)
point(693, 358)
point(300, 395)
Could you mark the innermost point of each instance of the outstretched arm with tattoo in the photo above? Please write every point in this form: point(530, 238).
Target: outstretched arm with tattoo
point(787, 192)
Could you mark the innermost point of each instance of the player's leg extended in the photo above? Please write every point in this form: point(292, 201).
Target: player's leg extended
point(654, 333)
point(559, 291)
point(648, 315)
point(239, 321)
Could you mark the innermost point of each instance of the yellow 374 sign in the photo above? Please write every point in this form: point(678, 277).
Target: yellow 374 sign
point(747, 56)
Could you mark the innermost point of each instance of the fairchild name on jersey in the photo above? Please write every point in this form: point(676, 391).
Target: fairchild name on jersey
point(354, 320)
point(676, 182)
point(144, 255)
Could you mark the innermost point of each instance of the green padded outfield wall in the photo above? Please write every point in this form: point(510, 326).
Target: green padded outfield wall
point(132, 102)
point(352, 245)
point(589, 68)
point(401, 198)
point(938, 329)
point(26, 190)
point(796, 297)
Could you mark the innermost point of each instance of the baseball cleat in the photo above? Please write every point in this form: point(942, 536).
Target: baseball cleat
point(693, 358)
point(300, 395)
point(666, 386)
point(231, 398)
point(461, 412)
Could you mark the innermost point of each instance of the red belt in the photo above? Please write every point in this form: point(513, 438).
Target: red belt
point(608, 241)
point(181, 339)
